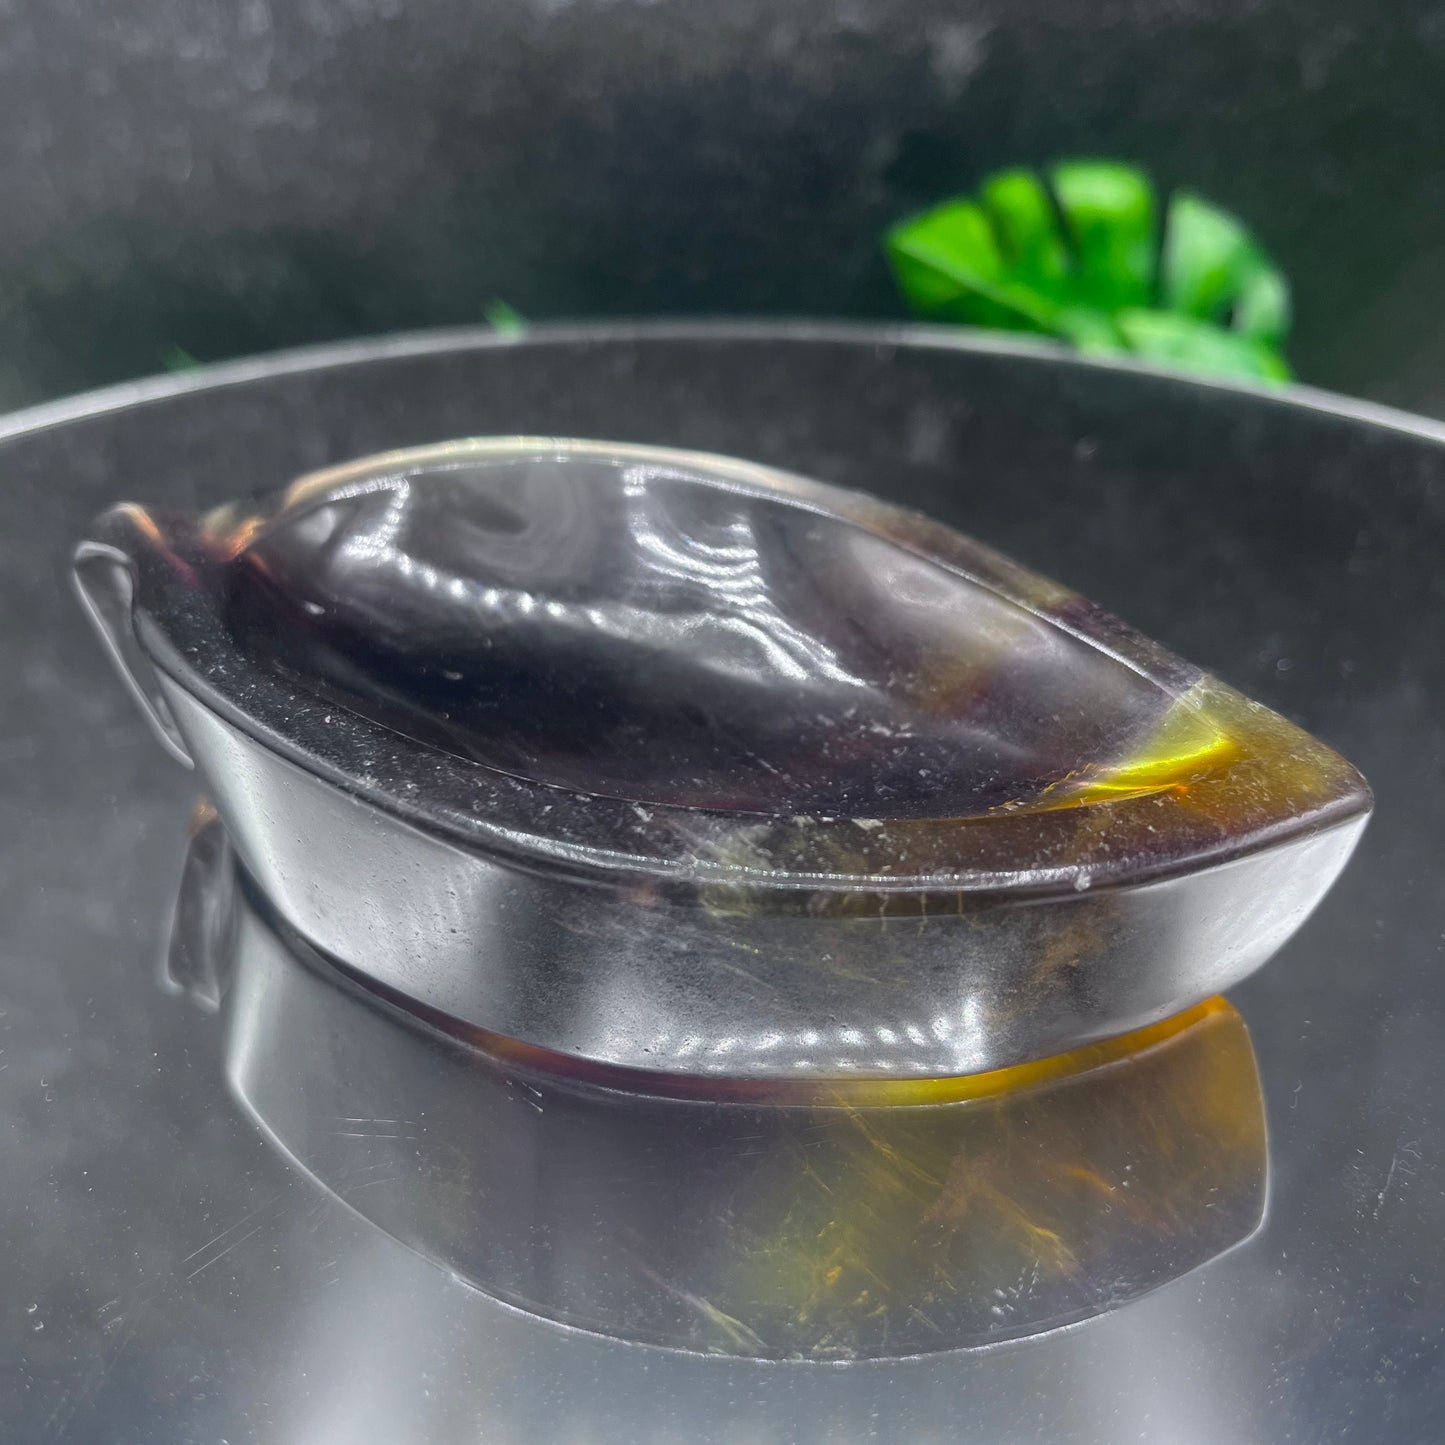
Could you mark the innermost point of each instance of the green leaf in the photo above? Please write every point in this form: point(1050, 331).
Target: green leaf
point(949, 265)
point(1076, 254)
point(504, 318)
point(1213, 269)
point(1023, 220)
point(1196, 345)
point(1095, 333)
point(1110, 215)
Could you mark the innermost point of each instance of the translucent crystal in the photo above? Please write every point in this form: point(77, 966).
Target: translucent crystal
point(839, 1220)
point(672, 761)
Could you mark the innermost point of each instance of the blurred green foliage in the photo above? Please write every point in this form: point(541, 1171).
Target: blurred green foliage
point(1088, 252)
point(504, 318)
point(177, 358)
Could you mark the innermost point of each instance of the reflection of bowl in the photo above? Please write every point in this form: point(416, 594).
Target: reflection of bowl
point(774, 1219)
point(672, 761)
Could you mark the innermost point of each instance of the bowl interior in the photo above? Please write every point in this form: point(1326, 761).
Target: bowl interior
point(643, 629)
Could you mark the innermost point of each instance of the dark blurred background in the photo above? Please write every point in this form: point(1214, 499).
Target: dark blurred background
point(223, 178)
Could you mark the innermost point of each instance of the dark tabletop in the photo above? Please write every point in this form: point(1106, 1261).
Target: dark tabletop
point(169, 1277)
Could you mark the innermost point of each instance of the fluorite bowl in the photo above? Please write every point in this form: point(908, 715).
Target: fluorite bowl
point(677, 763)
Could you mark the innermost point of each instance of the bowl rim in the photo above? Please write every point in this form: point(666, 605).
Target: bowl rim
point(923, 336)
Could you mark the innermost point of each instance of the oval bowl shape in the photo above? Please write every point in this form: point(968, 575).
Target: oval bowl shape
point(680, 763)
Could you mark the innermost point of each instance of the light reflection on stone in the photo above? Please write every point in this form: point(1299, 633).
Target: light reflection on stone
point(842, 1219)
point(599, 747)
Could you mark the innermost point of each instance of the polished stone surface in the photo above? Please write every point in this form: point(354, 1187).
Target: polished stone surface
point(189, 1285)
point(671, 630)
point(837, 1220)
point(726, 725)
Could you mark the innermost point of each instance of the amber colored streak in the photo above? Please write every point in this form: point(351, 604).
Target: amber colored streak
point(1186, 747)
point(151, 530)
point(1183, 750)
point(145, 524)
point(927, 1228)
point(959, 1088)
point(230, 544)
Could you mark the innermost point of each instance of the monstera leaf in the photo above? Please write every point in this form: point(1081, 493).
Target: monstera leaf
point(1077, 254)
